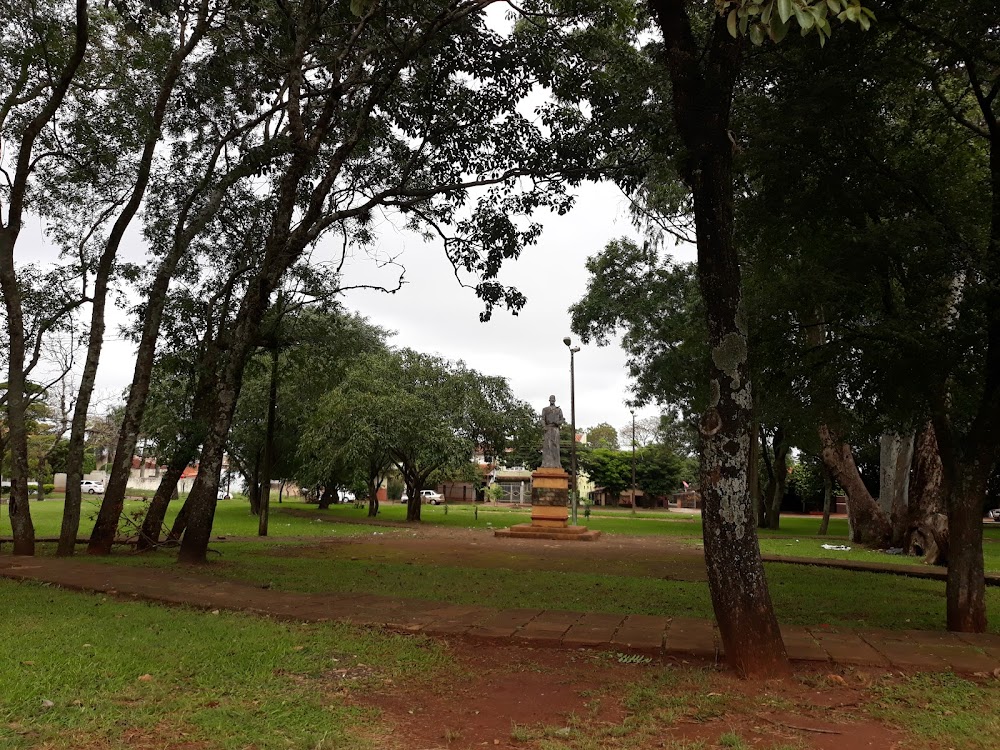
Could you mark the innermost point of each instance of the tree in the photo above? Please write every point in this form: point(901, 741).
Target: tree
point(915, 254)
point(603, 436)
point(965, 402)
point(421, 413)
point(659, 470)
point(607, 468)
point(318, 343)
point(44, 49)
point(189, 41)
point(371, 143)
point(702, 55)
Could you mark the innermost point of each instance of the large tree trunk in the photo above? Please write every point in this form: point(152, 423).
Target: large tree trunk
point(103, 535)
point(202, 500)
point(780, 479)
point(17, 403)
point(272, 405)
point(413, 502)
point(414, 483)
point(17, 187)
point(253, 491)
point(106, 525)
point(966, 588)
point(180, 522)
point(827, 499)
point(326, 496)
point(149, 534)
point(927, 526)
point(703, 82)
point(868, 524)
point(895, 457)
point(966, 468)
point(138, 393)
point(373, 483)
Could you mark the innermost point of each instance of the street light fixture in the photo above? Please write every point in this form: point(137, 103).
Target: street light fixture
point(572, 422)
point(632, 412)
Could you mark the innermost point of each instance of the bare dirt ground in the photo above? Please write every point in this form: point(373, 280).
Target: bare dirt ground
point(648, 556)
point(510, 697)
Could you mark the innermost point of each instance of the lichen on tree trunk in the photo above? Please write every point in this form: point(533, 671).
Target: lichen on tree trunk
point(703, 81)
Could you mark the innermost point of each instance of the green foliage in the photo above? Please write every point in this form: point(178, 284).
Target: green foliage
point(659, 470)
point(603, 436)
point(394, 487)
point(609, 469)
point(317, 346)
point(421, 413)
point(806, 481)
point(773, 18)
point(656, 306)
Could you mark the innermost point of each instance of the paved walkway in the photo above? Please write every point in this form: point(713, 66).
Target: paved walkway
point(654, 636)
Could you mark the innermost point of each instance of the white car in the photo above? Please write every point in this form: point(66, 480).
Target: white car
point(91, 487)
point(223, 495)
point(430, 496)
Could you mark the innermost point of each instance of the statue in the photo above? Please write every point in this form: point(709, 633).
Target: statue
point(552, 420)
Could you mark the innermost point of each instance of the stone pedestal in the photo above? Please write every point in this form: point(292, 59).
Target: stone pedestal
point(549, 510)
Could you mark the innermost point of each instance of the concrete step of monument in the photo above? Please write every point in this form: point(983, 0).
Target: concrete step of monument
point(569, 533)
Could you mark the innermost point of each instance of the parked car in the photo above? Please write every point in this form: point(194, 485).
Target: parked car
point(404, 498)
point(994, 515)
point(223, 495)
point(92, 487)
point(430, 496)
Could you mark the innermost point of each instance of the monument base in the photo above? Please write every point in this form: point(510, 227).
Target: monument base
point(530, 531)
point(549, 511)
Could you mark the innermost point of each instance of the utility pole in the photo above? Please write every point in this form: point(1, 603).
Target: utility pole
point(572, 421)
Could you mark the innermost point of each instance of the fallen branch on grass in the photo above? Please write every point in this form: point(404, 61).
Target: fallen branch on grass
point(797, 727)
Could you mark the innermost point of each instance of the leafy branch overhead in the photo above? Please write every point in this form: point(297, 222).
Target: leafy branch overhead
point(775, 18)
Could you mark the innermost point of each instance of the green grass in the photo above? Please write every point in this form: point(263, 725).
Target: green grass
point(803, 595)
point(232, 518)
point(72, 667)
point(811, 546)
point(941, 710)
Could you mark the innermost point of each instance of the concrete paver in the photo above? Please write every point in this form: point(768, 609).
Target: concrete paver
point(655, 635)
point(802, 646)
point(641, 633)
point(848, 648)
point(686, 635)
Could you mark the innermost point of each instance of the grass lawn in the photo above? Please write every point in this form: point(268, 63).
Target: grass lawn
point(232, 518)
point(86, 672)
point(796, 538)
point(802, 595)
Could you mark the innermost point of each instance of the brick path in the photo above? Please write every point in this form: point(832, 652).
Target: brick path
point(654, 636)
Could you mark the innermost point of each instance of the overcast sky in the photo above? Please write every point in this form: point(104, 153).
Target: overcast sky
point(434, 314)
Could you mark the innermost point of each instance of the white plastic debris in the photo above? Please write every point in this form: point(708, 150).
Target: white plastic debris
point(838, 547)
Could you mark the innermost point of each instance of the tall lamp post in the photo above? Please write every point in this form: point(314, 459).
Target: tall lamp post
point(572, 423)
point(632, 411)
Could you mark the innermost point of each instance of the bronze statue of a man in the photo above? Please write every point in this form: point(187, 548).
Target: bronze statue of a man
point(552, 420)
